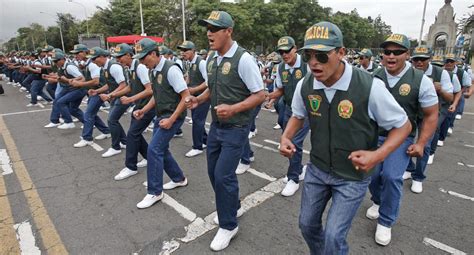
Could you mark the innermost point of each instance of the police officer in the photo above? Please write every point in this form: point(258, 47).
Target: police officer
point(203, 54)
point(345, 106)
point(169, 93)
point(197, 77)
point(465, 76)
point(365, 61)
point(290, 72)
point(138, 91)
point(235, 88)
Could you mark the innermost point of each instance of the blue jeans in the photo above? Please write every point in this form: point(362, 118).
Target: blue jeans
point(199, 116)
point(59, 90)
point(160, 158)
point(280, 108)
point(26, 82)
point(318, 188)
point(55, 112)
point(224, 147)
point(418, 169)
point(460, 108)
point(254, 117)
point(37, 90)
point(91, 118)
point(387, 182)
point(136, 143)
point(69, 103)
point(117, 109)
point(441, 130)
point(51, 88)
point(295, 168)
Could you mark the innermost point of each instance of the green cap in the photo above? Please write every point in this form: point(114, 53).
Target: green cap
point(187, 45)
point(450, 56)
point(218, 19)
point(78, 48)
point(97, 52)
point(57, 50)
point(48, 48)
point(323, 36)
point(286, 43)
point(398, 39)
point(143, 47)
point(122, 49)
point(437, 60)
point(366, 53)
point(421, 52)
point(58, 55)
point(203, 52)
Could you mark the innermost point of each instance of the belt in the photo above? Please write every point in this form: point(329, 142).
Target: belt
point(228, 125)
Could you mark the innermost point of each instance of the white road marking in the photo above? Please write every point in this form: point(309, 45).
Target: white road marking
point(468, 113)
point(5, 162)
point(452, 193)
point(181, 209)
point(261, 175)
point(25, 237)
point(441, 246)
point(462, 164)
point(468, 145)
point(17, 113)
point(97, 147)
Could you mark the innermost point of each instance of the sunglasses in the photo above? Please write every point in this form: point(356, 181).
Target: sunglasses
point(395, 52)
point(321, 57)
point(419, 59)
point(281, 52)
point(214, 29)
point(450, 61)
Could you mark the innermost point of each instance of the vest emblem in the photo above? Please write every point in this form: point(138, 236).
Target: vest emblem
point(404, 89)
point(159, 79)
point(284, 76)
point(298, 74)
point(106, 74)
point(133, 76)
point(194, 67)
point(345, 109)
point(314, 103)
point(209, 66)
point(226, 68)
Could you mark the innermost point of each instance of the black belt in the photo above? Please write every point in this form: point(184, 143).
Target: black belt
point(228, 125)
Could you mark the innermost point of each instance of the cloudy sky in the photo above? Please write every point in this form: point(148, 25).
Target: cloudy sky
point(403, 15)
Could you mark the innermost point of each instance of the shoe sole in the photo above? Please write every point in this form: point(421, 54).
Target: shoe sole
point(123, 178)
point(108, 156)
point(371, 217)
point(382, 243)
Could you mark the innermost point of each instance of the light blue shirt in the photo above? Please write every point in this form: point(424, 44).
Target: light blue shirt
point(456, 84)
point(427, 94)
point(72, 70)
point(94, 70)
point(445, 81)
point(383, 108)
point(175, 76)
point(142, 72)
point(466, 79)
point(116, 71)
point(248, 69)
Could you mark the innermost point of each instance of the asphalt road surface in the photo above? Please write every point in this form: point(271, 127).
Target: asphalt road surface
point(56, 199)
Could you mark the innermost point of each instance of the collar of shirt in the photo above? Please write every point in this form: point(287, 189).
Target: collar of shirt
point(64, 65)
point(429, 71)
point(369, 67)
point(160, 65)
point(194, 59)
point(132, 67)
point(455, 69)
point(106, 63)
point(398, 76)
point(230, 53)
point(341, 84)
point(297, 63)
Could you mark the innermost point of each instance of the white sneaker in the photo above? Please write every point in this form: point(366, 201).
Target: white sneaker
point(440, 143)
point(430, 159)
point(145, 183)
point(22, 89)
point(142, 163)
point(240, 212)
point(383, 235)
point(273, 110)
point(252, 159)
point(51, 125)
point(173, 185)
point(102, 136)
point(190, 121)
point(300, 177)
point(31, 105)
point(373, 212)
point(290, 189)
point(450, 131)
point(222, 238)
point(458, 116)
point(67, 126)
point(406, 175)
point(111, 152)
point(242, 168)
point(193, 152)
point(40, 98)
point(416, 187)
point(149, 200)
point(178, 135)
point(28, 96)
point(75, 120)
point(82, 143)
point(124, 174)
point(277, 126)
point(123, 146)
point(252, 134)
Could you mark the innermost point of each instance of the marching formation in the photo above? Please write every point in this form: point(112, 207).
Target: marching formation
point(371, 125)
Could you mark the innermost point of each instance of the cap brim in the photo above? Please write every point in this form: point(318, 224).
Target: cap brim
point(421, 56)
point(184, 47)
point(74, 51)
point(205, 22)
point(117, 55)
point(140, 55)
point(284, 47)
point(91, 56)
point(317, 47)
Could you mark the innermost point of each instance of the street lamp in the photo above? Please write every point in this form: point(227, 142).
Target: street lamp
point(141, 19)
point(60, 29)
point(184, 22)
point(85, 13)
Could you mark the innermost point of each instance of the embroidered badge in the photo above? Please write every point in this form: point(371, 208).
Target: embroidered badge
point(159, 79)
point(134, 76)
point(284, 76)
point(345, 109)
point(404, 89)
point(315, 103)
point(226, 68)
point(106, 74)
point(194, 67)
point(138, 48)
point(209, 66)
point(298, 74)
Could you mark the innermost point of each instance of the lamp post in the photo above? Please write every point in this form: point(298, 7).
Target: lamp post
point(85, 13)
point(141, 19)
point(60, 29)
point(184, 22)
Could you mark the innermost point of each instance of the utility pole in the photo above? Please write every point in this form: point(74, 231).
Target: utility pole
point(422, 22)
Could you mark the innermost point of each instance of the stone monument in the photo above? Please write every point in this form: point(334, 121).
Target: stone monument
point(443, 32)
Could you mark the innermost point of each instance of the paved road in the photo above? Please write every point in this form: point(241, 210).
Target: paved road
point(70, 200)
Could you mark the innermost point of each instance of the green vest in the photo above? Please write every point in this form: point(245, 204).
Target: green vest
point(109, 78)
point(195, 76)
point(290, 79)
point(406, 93)
point(459, 74)
point(342, 126)
point(166, 99)
point(227, 87)
point(137, 87)
point(436, 77)
point(63, 72)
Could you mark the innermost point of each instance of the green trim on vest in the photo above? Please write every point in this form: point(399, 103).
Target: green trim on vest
point(166, 99)
point(227, 87)
point(195, 76)
point(137, 86)
point(342, 126)
point(290, 79)
point(406, 93)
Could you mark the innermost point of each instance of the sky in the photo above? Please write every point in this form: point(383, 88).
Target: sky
point(403, 15)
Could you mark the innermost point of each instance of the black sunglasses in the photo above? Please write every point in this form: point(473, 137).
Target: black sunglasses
point(214, 29)
point(419, 59)
point(281, 52)
point(395, 52)
point(321, 57)
point(449, 61)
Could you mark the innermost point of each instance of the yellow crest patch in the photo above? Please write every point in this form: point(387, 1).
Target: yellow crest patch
point(298, 74)
point(345, 109)
point(404, 89)
point(214, 15)
point(117, 49)
point(282, 41)
point(159, 79)
point(92, 52)
point(317, 32)
point(421, 50)
point(53, 55)
point(194, 67)
point(226, 68)
point(209, 66)
point(138, 48)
